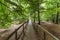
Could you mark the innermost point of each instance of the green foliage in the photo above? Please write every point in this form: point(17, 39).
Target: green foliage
point(11, 11)
point(18, 10)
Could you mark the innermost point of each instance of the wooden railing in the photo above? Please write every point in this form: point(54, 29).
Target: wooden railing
point(15, 32)
point(43, 34)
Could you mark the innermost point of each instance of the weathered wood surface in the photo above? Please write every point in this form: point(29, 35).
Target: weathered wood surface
point(30, 33)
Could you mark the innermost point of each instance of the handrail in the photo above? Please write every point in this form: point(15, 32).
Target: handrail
point(47, 31)
point(15, 31)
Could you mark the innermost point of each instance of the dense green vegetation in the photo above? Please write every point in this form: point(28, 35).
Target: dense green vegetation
point(19, 10)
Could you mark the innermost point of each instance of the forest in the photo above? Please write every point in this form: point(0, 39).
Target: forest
point(19, 10)
point(29, 19)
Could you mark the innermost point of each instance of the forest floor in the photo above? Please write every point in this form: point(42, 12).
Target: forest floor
point(53, 28)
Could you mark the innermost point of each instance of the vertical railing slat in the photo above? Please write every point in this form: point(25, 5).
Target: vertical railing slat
point(23, 34)
point(16, 36)
point(44, 36)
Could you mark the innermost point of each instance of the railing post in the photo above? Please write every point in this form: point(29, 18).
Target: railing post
point(44, 36)
point(16, 35)
point(23, 33)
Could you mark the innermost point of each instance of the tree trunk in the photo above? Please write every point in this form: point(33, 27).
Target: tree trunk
point(53, 18)
point(57, 15)
point(38, 15)
point(34, 16)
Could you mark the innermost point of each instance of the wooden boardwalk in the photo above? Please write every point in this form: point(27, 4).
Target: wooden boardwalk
point(30, 33)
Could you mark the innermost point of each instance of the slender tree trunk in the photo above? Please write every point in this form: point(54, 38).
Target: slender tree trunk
point(57, 15)
point(38, 15)
point(34, 16)
point(53, 18)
